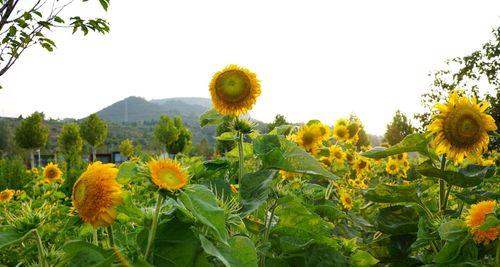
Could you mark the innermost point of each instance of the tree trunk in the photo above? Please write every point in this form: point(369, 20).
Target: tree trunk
point(93, 154)
point(32, 159)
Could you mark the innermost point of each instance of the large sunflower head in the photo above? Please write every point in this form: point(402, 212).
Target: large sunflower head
point(6, 195)
point(167, 174)
point(96, 194)
point(234, 90)
point(309, 138)
point(392, 167)
point(476, 218)
point(460, 127)
point(52, 173)
point(341, 133)
point(337, 154)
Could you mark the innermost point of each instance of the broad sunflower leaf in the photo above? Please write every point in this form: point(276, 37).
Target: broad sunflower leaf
point(211, 117)
point(254, 189)
point(80, 253)
point(411, 143)
point(276, 152)
point(453, 230)
point(384, 193)
point(474, 196)
point(362, 258)
point(227, 136)
point(202, 203)
point(240, 251)
point(397, 220)
point(9, 235)
point(469, 176)
point(126, 172)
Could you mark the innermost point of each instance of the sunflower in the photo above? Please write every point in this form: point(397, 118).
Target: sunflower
point(361, 165)
point(167, 174)
point(350, 157)
point(404, 165)
point(346, 200)
point(6, 195)
point(341, 121)
point(401, 157)
point(392, 167)
point(461, 127)
point(52, 173)
point(324, 131)
point(476, 218)
point(336, 154)
point(286, 175)
point(234, 90)
point(326, 161)
point(96, 194)
point(309, 138)
point(341, 133)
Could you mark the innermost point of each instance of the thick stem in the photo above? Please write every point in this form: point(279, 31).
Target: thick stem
point(154, 224)
point(446, 197)
point(241, 158)
point(442, 189)
point(268, 228)
point(41, 250)
point(32, 159)
point(93, 154)
point(96, 237)
point(111, 238)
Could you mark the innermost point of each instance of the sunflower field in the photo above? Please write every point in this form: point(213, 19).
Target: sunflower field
point(299, 195)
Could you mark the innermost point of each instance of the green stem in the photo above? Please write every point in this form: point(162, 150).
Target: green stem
point(41, 250)
point(497, 257)
point(442, 185)
point(446, 197)
point(268, 228)
point(96, 238)
point(152, 231)
point(110, 236)
point(242, 157)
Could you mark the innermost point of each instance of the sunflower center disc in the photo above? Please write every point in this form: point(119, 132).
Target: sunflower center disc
point(232, 86)
point(51, 174)
point(463, 127)
point(168, 177)
point(308, 138)
point(338, 155)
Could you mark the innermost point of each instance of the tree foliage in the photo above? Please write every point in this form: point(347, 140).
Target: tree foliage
point(126, 148)
point(31, 133)
point(94, 130)
point(278, 121)
point(23, 25)
point(70, 142)
point(172, 134)
point(398, 128)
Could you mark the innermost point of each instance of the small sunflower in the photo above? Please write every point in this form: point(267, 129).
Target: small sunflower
point(326, 161)
point(361, 165)
point(52, 173)
point(404, 165)
point(341, 121)
point(96, 194)
point(350, 157)
point(336, 154)
point(476, 217)
point(167, 174)
point(346, 200)
point(341, 133)
point(234, 90)
point(309, 138)
point(6, 195)
point(324, 130)
point(286, 175)
point(461, 127)
point(401, 157)
point(392, 167)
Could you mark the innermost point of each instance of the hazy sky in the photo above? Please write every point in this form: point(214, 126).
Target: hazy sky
point(316, 59)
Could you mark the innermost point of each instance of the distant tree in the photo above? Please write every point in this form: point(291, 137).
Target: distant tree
point(202, 148)
point(398, 129)
point(126, 148)
point(94, 131)
point(70, 144)
point(31, 134)
point(223, 146)
point(23, 25)
point(479, 69)
point(5, 137)
point(278, 121)
point(166, 132)
point(183, 141)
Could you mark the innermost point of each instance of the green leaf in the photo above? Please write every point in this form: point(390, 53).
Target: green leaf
point(425, 233)
point(453, 230)
point(411, 143)
point(128, 208)
point(397, 220)
point(276, 152)
point(490, 221)
point(474, 196)
point(104, 4)
point(449, 251)
point(126, 172)
point(80, 253)
point(227, 136)
point(211, 117)
point(201, 202)
point(247, 151)
point(362, 258)
point(9, 235)
point(470, 176)
point(254, 189)
point(383, 193)
point(240, 251)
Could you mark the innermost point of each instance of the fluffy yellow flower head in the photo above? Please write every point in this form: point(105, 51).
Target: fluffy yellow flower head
point(341, 133)
point(167, 174)
point(476, 218)
point(460, 127)
point(234, 90)
point(6, 195)
point(96, 194)
point(52, 173)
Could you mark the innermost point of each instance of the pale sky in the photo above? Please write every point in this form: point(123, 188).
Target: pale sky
point(316, 59)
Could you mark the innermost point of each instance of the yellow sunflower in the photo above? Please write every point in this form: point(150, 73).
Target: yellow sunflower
point(52, 173)
point(341, 133)
point(337, 155)
point(460, 128)
point(234, 90)
point(324, 131)
point(401, 157)
point(346, 200)
point(392, 167)
point(350, 157)
point(361, 165)
point(286, 175)
point(96, 194)
point(326, 161)
point(6, 195)
point(309, 138)
point(167, 174)
point(476, 217)
point(341, 121)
